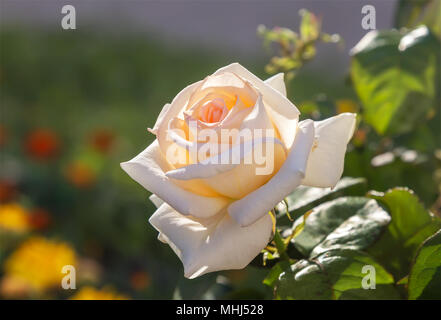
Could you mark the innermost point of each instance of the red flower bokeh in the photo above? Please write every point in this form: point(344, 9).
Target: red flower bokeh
point(42, 144)
point(8, 190)
point(102, 140)
point(39, 219)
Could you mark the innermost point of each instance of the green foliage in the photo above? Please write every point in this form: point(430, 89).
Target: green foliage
point(412, 13)
point(273, 275)
point(393, 73)
point(304, 198)
point(425, 276)
point(411, 224)
point(341, 236)
point(344, 223)
point(335, 274)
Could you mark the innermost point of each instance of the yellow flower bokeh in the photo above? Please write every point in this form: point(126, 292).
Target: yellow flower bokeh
point(14, 218)
point(38, 262)
point(346, 105)
point(90, 293)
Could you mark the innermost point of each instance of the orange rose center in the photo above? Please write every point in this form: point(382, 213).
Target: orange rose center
point(213, 111)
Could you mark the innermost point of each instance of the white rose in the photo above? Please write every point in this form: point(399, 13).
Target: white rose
point(215, 216)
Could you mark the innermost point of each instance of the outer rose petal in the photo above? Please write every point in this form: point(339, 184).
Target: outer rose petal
point(216, 243)
point(277, 82)
point(160, 119)
point(172, 111)
point(147, 169)
point(283, 112)
point(157, 201)
point(326, 162)
point(252, 207)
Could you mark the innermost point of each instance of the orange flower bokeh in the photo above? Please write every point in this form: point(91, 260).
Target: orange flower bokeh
point(140, 280)
point(80, 174)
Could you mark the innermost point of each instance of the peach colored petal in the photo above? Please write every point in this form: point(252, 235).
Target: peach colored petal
point(259, 202)
point(283, 112)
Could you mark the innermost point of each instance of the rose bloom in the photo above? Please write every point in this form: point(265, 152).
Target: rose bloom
point(217, 216)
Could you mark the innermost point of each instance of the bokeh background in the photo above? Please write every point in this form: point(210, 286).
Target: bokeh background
point(76, 103)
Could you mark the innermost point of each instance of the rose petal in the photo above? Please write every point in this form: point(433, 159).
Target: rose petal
point(213, 244)
point(212, 166)
point(244, 173)
point(277, 82)
point(228, 85)
point(252, 174)
point(219, 159)
point(326, 162)
point(259, 202)
point(160, 119)
point(157, 201)
point(257, 119)
point(177, 106)
point(147, 169)
point(283, 112)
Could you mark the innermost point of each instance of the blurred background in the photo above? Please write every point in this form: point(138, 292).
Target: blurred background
point(76, 103)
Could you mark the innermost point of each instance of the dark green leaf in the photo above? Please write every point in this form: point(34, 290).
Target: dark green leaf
point(425, 276)
point(392, 73)
point(335, 274)
point(347, 222)
point(304, 198)
point(411, 224)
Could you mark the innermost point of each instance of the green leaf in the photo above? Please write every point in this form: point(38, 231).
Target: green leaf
point(392, 74)
point(335, 274)
point(411, 224)
point(425, 276)
point(304, 198)
point(280, 244)
point(347, 222)
point(309, 26)
point(276, 270)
